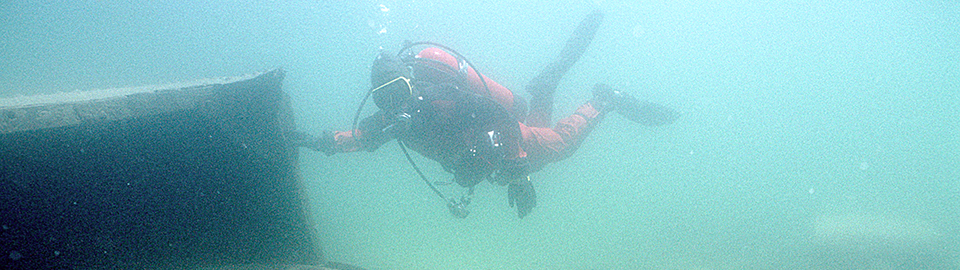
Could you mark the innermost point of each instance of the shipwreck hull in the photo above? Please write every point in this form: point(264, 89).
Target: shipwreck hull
point(177, 176)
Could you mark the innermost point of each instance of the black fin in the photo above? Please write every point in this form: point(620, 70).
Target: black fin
point(646, 113)
point(545, 83)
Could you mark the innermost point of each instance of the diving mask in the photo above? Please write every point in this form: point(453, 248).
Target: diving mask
point(391, 94)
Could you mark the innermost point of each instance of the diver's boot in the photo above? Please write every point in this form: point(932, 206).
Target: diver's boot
point(606, 99)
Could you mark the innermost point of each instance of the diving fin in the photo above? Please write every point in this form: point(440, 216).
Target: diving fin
point(542, 86)
point(646, 113)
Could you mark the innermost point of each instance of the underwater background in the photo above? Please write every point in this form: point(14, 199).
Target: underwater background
point(813, 134)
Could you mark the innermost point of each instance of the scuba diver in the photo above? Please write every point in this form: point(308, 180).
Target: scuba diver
point(432, 100)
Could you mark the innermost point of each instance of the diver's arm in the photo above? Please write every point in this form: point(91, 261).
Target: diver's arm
point(514, 168)
point(321, 143)
point(515, 174)
point(368, 136)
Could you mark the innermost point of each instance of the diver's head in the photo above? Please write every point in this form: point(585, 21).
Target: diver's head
point(390, 78)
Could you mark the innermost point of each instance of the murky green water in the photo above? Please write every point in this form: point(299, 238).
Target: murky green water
point(814, 135)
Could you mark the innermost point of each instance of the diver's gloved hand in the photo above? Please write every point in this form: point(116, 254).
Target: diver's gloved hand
point(322, 143)
point(522, 195)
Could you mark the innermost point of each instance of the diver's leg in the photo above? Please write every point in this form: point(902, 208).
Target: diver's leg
point(546, 145)
point(542, 86)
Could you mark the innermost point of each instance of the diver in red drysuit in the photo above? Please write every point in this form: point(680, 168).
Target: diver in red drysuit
point(437, 104)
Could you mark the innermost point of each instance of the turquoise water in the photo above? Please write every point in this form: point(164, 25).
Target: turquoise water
point(814, 134)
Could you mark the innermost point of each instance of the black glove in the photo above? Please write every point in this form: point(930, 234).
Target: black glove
point(522, 195)
point(323, 143)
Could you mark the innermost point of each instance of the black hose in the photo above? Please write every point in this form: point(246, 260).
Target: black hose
point(417, 168)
